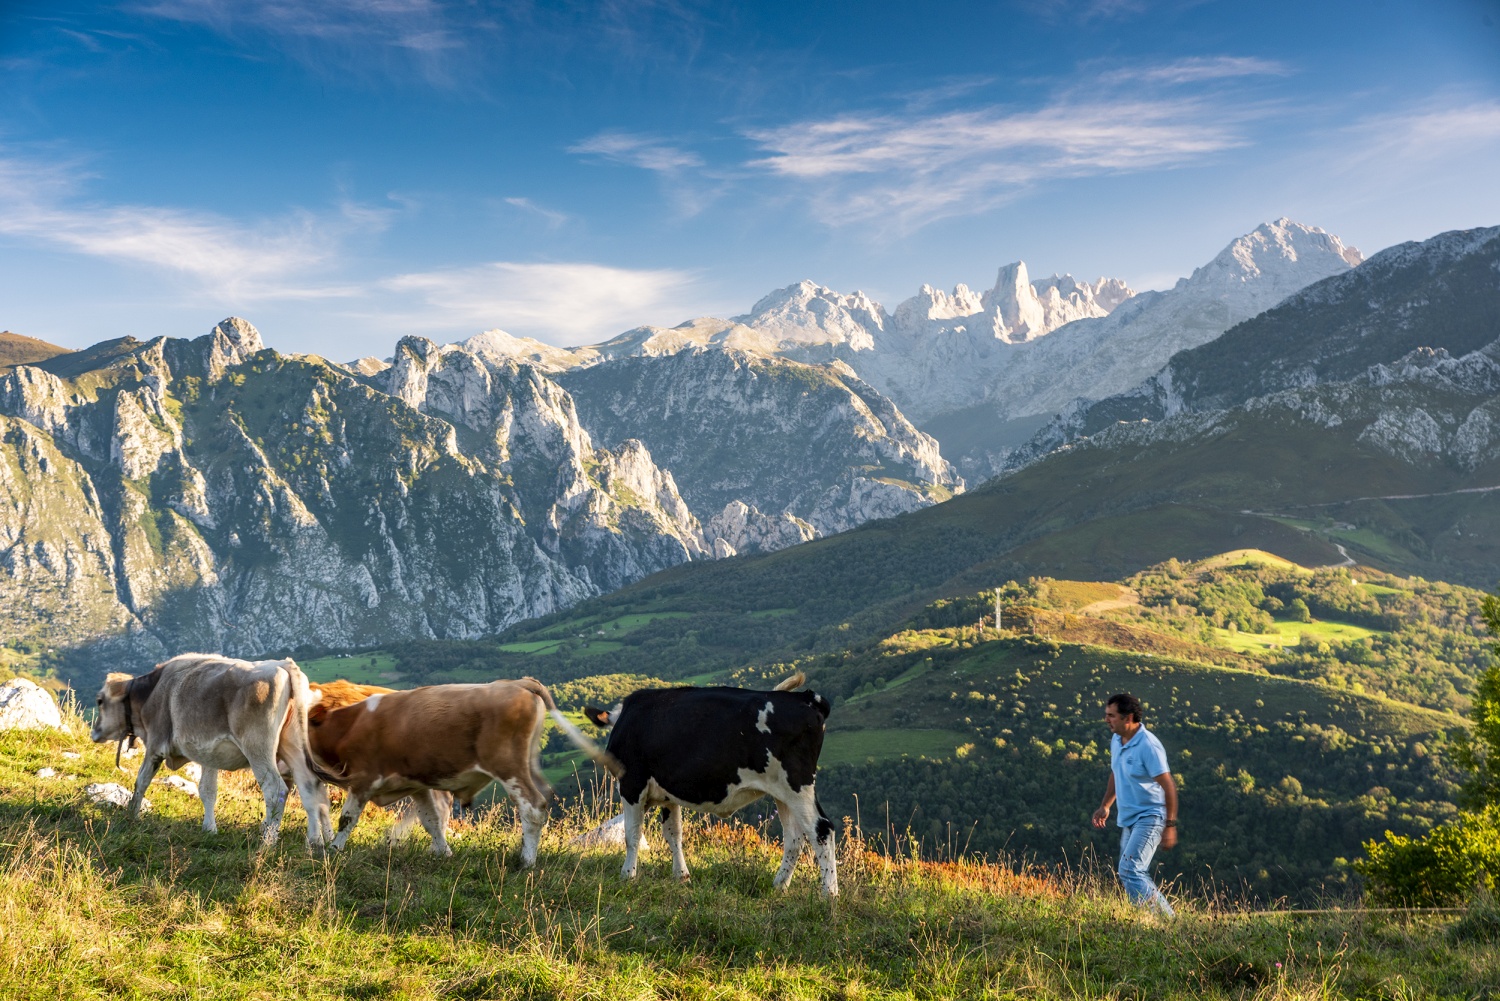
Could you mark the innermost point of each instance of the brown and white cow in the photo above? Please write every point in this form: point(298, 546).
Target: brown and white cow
point(451, 738)
point(718, 750)
point(224, 714)
point(336, 694)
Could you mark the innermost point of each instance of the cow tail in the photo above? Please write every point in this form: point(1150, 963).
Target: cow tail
point(791, 684)
point(575, 736)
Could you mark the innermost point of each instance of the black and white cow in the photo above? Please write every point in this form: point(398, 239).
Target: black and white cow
point(717, 750)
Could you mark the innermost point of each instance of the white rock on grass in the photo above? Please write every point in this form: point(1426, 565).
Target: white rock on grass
point(610, 834)
point(70, 755)
point(24, 705)
point(45, 773)
point(180, 784)
point(113, 793)
point(193, 772)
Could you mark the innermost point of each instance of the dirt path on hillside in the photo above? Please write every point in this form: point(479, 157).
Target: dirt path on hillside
point(1126, 599)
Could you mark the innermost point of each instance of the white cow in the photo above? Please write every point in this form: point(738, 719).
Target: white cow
point(224, 714)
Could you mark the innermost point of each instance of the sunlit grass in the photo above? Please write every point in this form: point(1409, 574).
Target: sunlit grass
point(93, 905)
point(1289, 634)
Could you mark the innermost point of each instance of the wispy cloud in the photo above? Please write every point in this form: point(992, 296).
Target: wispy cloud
point(686, 180)
point(646, 152)
point(554, 219)
point(269, 259)
point(1425, 134)
point(913, 169)
point(343, 36)
point(1199, 69)
point(562, 303)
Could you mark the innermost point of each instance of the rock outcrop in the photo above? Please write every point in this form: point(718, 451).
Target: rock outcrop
point(25, 705)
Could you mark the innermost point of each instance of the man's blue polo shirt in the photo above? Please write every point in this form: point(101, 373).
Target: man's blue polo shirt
point(1136, 765)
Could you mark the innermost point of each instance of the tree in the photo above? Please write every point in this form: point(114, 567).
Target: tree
point(1478, 752)
point(1459, 858)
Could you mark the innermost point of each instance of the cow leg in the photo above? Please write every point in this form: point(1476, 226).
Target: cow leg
point(348, 817)
point(672, 828)
point(634, 814)
point(792, 839)
point(208, 792)
point(425, 806)
point(820, 829)
point(150, 762)
point(273, 790)
point(315, 801)
point(531, 804)
point(405, 821)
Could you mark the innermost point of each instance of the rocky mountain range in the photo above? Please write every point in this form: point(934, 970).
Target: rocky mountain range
point(173, 494)
point(1441, 294)
point(165, 494)
point(982, 371)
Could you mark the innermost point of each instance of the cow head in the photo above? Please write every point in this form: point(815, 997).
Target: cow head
point(602, 718)
point(109, 709)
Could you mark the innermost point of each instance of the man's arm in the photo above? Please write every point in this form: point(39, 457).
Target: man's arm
point(1101, 815)
point(1169, 787)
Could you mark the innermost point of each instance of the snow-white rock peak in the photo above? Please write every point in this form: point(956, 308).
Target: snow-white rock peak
point(808, 313)
point(501, 347)
point(1015, 310)
point(1276, 256)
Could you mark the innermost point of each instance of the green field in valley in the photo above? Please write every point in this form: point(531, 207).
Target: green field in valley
point(1290, 634)
point(370, 668)
point(842, 747)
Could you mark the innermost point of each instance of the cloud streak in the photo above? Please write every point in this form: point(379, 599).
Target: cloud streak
point(645, 152)
point(562, 303)
point(267, 260)
point(1200, 69)
point(917, 169)
point(351, 36)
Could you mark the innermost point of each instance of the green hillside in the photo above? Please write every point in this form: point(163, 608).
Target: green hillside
point(1307, 710)
point(95, 906)
point(18, 349)
point(1281, 780)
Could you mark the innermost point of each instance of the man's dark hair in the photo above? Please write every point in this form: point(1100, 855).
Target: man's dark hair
point(1127, 704)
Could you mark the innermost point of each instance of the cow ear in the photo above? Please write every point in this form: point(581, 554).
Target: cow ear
point(115, 685)
point(598, 717)
point(316, 714)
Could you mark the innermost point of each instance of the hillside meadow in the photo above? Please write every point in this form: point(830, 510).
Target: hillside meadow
point(95, 906)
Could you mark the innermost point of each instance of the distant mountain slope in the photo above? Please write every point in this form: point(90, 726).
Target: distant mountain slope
point(18, 349)
point(981, 370)
point(1394, 467)
point(210, 494)
point(780, 437)
point(1443, 293)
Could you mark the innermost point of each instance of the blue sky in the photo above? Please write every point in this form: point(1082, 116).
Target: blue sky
point(346, 172)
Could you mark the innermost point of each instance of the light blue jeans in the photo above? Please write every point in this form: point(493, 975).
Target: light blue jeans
point(1138, 844)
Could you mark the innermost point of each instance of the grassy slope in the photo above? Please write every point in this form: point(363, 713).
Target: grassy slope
point(1089, 514)
point(18, 349)
point(92, 905)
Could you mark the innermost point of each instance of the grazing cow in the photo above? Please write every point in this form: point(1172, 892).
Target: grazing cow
point(336, 694)
point(450, 738)
point(717, 750)
point(224, 714)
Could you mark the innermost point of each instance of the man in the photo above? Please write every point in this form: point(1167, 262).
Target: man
point(1141, 783)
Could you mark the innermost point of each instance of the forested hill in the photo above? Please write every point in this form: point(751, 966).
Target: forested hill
point(1305, 710)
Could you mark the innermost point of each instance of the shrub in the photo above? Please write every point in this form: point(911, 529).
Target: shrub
point(1480, 923)
point(1440, 869)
